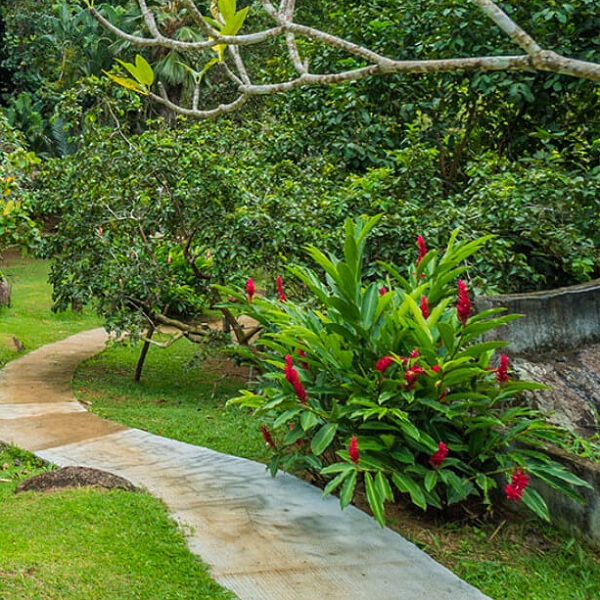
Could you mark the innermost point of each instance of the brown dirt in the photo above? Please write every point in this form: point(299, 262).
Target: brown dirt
point(75, 477)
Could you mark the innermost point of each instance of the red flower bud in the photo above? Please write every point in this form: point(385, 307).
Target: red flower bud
point(424, 307)
point(439, 455)
point(250, 289)
point(383, 363)
point(353, 450)
point(382, 290)
point(411, 376)
point(502, 370)
point(292, 377)
point(280, 291)
point(422, 248)
point(518, 483)
point(463, 305)
point(267, 437)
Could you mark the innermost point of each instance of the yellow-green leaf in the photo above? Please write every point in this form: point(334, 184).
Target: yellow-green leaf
point(130, 84)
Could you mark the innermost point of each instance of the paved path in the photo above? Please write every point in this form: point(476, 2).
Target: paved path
point(265, 538)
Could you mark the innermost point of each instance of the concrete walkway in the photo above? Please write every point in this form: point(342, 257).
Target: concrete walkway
point(265, 538)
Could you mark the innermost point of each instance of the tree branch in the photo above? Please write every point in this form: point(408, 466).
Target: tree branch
point(535, 57)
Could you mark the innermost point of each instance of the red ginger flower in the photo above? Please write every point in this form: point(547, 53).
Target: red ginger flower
point(424, 307)
point(383, 363)
point(292, 377)
point(463, 305)
point(436, 368)
point(382, 290)
point(280, 291)
point(250, 289)
point(513, 493)
point(439, 455)
point(411, 376)
point(518, 483)
point(502, 370)
point(353, 450)
point(422, 248)
point(267, 437)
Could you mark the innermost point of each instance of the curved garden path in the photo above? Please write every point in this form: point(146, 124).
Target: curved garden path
point(265, 538)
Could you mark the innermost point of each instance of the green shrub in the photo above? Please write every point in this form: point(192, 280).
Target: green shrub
point(389, 383)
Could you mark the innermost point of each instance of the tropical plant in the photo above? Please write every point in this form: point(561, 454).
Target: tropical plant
point(387, 383)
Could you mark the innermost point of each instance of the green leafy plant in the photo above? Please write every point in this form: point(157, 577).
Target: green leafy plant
point(141, 71)
point(390, 385)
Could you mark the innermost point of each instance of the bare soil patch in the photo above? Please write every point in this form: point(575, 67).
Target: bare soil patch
point(75, 477)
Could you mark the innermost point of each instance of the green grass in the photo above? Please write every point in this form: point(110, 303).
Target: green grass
point(29, 317)
point(80, 544)
point(90, 544)
point(182, 402)
point(516, 559)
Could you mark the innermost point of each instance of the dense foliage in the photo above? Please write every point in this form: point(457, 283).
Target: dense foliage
point(388, 383)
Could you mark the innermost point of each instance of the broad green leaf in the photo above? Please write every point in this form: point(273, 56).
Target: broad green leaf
point(233, 25)
point(405, 484)
point(227, 8)
point(323, 438)
point(144, 73)
point(533, 501)
point(383, 486)
point(431, 479)
point(335, 482)
point(347, 491)
point(308, 420)
point(375, 499)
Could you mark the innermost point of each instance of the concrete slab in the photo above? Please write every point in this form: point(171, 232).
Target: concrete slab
point(265, 538)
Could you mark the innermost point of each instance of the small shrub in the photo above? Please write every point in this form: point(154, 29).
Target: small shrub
point(389, 383)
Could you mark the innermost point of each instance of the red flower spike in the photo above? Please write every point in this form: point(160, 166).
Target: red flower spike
point(382, 290)
point(267, 437)
point(439, 455)
point(519, 480)
point(412, 375)
point(292, 377)
point(513, 493)
point(250, 289)
point(502, 370)
point(383, 364)
point(414, 354)
point(280, 291)
point(436, 368)
point(424, 307)
point(518, 483)
point(422, 248)
point(353, 450)
point(463, 305)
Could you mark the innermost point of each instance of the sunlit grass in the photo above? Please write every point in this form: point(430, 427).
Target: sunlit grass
point(30, 317)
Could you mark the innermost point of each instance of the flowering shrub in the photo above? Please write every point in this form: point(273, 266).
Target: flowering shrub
point(390, 383)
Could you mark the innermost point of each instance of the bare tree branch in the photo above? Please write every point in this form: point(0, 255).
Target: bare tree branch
point(535, 58)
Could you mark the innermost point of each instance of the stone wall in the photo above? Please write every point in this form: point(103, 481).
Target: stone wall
point(553, 321)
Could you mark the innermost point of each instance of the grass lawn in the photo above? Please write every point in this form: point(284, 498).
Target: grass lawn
point(29, 317)
point(91, 545)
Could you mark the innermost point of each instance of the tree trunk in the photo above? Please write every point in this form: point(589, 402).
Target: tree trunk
point(4, 292)
point(142, 359)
